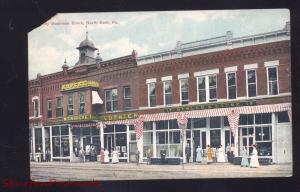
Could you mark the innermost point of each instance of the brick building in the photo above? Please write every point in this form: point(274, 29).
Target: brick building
point(133, 103)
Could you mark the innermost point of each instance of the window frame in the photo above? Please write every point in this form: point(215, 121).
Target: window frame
point(247, 83)
point(81, 103)
point(207, 88)
point(227, 85)
point(165, 94)
point(59, 108)
point(111, 100)
point(68, 105)
point(268, 80)
point(49, 108)
point(180, 90)
point(149, 94)
point(126, 98)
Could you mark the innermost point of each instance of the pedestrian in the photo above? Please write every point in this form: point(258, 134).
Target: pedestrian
point(148, 154)
point(102, 155)
point(48, 156)
point(254, 158)
point(88, 152)
point(244, 162)
point(82, 155)
point(209, 154)
point(137, 155)
point(220, 155)
point(232, 155)
point(115, 156)
point(188, 153)
point(227, 149)
point(92, 153)
point(106, 156)
point(199, 154)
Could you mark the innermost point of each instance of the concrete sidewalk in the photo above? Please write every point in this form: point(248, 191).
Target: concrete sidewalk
point(129, 171)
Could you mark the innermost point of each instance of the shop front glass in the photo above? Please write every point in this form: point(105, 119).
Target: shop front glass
point(115, 137)
point(60, 141)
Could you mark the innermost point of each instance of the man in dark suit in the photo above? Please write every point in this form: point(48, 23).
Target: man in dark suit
point(188, 153)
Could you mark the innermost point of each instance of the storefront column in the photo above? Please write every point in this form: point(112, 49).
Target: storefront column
point(33, 143)
point(127, 143)
point(154, 139)
point(192, 140)
point(43, 142)
point(140, 148)
point(184, 146)
point(101, 136)
point(71, 143)
point(51, 147)
point(274, 138)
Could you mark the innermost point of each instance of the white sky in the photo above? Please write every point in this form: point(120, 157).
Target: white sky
point(146, 32)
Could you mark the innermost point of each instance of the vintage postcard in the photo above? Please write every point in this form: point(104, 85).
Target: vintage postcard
point(161, 95)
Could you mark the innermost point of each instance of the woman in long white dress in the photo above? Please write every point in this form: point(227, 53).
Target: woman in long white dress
point(106, 156)
point(254, 158)
point(221, 155)
point(244, 162)
point(199, 153)
point(114, 156)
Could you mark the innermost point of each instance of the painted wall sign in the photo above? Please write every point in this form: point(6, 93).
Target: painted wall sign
point(210, 106)
point(79, 84)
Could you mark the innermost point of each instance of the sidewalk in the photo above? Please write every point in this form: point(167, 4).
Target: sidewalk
point(130, 171)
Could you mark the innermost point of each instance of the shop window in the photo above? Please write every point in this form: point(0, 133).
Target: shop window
point(162, 137)
point(173, 124)
point(111, 100)
point(200, 123)
point(151, 95)
point(55, 131)
point(109, 129)
point(132, 136)
point(283, 117)
point(272, 81)
point(162, 125)
point(168, 92)
point(65, 146)
point(49, 108)
point(246, 119)
point(184, 91)
point(251, 83)
point(64, 130)
point(60, 141)
point(263, 137)
point(263, 118)
point(264, 148)
point(38, 140)
point(70, 105)
point(86, 131)
point(95, 131)
point(229, 139)
point(226, 123)
point(120, 128)
point(59, 107)
point(81, 103)
point(231, 86)
point(215, 122)
point(215, 138)
point(148, 125)
point(127, 98)
point(174, 137)
point(131, 127)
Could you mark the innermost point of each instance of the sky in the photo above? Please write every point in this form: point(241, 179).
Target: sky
point(116, 34)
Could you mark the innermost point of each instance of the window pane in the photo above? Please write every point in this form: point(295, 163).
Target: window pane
point(162, 124)
point(55, 130)
point(173, 124)
point(200, 123)
point(273, 88)
point(120, 128)
point(201, 83)
point(266, 118)
point(251, 76)
point(65, 146)
point(108, 106)
point(215, 138)
point(232, 92)
point(231, 79)
point(258, 134)
point(212, 80)
point(64, 130)
point(266, 133)
point(283, 117)
point(272, 73)
point(148, 125)
point(127, 92)
point(215, 122)
point(168, 87)
point(152, 100)
point(226, 123)
point(168, 98)
point(56, 146)
point(109, 129)
point(252, 90)
point(115, 105)
point(213, 93)
point(184, 96)
point(264, 148)
point(114, 94)
point(202, 95)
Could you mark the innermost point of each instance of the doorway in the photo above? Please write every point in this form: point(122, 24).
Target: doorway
point(132, 151)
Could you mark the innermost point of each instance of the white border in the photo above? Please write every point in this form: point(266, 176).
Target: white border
point(183, 76)
point(207, 72)
point(271, 63)
point(251, 66)
point(153, 80)
point(230, 69)
point(166, 78)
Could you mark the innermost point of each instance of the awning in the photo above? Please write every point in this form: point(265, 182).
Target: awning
point(96, 98)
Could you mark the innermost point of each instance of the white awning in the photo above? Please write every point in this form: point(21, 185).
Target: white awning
point(96, 98)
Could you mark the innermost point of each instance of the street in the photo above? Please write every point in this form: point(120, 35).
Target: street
point(64, 171)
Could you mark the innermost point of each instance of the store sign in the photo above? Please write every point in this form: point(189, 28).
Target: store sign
point(89, 117)
point(79, 84)
point(211, 106)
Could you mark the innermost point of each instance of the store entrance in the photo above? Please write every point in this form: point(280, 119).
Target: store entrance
point(132, 151)
point(196, 142)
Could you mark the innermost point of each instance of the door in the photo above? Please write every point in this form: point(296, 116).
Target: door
point(132, 151)
point(196, 143)
point(247, 138)
point(109, 143)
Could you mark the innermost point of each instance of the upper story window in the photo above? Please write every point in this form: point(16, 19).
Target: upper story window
point(184, 91)
point(231, 85)
point(168, 92)
point(272, 81)
point(251, 83)
point(36, 111)
point(49, 108)
point(151, 94)
point(207, 88)
point(127, 98)
point(59, 107)
point(70, 105)
point(111, 100)
point(81, 103)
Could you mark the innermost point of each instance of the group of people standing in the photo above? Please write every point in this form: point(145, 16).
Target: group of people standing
point(210, 154)
point(253, 160)
point(104, 156)
point(89, 154)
